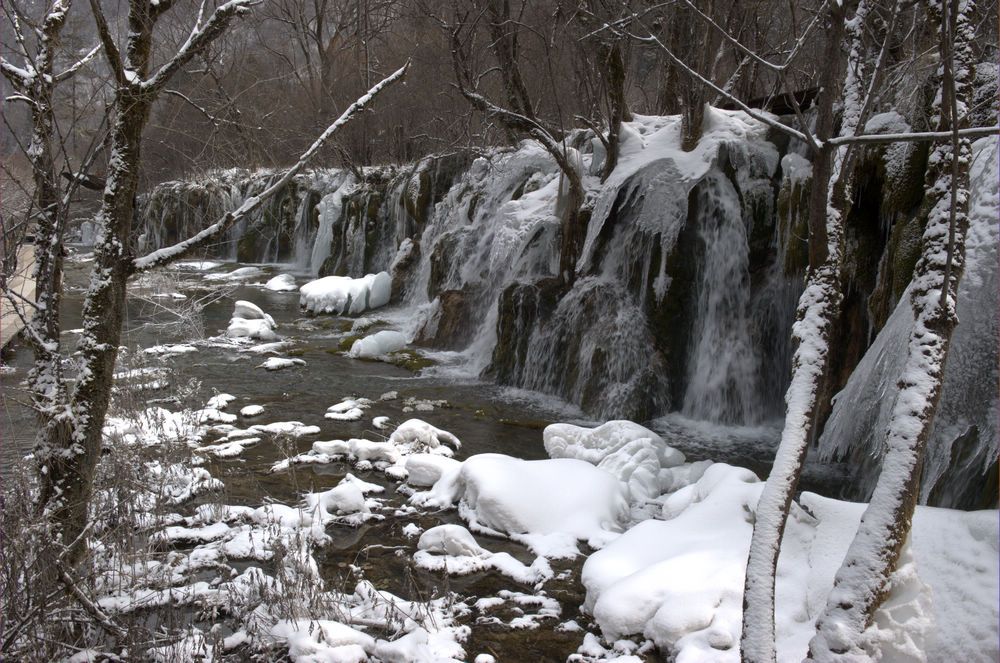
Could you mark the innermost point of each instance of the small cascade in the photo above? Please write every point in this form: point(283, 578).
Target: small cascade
point(723, 368)
point(596, 350)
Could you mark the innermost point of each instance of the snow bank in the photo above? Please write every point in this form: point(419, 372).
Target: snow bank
point(282, 283)
point(634, 454)
point(377, 344)
point(679, 581)
point(250, 321)
point(501, 495)
point(342, 294)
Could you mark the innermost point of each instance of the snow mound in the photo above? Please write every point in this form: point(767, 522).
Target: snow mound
point(249, 321)
point(342, 294)
point(282, 283)
point(634, 454)
point(377, 345)
point(679, 581)
point(499, 494)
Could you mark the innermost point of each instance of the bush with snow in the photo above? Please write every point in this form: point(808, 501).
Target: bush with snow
point(341, 295)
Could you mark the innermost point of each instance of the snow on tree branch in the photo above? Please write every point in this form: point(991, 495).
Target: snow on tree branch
point(168, 254)
point(201, 36)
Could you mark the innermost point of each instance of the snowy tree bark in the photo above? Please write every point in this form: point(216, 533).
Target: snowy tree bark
point(819, 306)
point(68, 447)
point(862, 582)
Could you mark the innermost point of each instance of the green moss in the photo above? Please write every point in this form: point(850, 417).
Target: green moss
point(410, 360)
point(793, 217)
point(246, 247)
point(347, 342)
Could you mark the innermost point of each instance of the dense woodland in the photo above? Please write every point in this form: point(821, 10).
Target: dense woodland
point(103, 101)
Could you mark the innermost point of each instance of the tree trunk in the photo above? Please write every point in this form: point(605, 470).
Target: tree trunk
point(819, 306)
point(67, 476)
point(862, 582)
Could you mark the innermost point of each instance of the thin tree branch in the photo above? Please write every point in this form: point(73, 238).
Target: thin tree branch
point(111, 52)
point(198, 40)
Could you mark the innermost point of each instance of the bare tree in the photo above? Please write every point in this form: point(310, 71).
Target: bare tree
point(518, 114)
point(68, 443)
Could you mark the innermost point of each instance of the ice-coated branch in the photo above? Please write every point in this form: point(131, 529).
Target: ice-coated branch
point(818, 306)
point(169, 254)
point(201, 36)
point(111, 52)
point(18, 77)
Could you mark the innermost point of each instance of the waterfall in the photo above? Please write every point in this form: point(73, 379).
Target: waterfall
point(723, 368)
point(686, 284)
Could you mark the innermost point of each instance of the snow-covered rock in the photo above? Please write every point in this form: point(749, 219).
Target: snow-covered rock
point(416, 435)
point(425, 469)
point(282, 283)
point(251, 322)
point(501, 494)
point(634, 454)
point(377, 345)
point(342, 294)
point(279, 363)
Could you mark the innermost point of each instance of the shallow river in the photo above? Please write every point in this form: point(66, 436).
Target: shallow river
point(484, 417)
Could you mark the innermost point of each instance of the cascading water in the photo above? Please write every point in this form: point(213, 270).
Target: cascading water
point(686, 285)
point(723, 368)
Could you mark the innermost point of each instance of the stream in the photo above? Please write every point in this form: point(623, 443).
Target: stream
point(486, 418)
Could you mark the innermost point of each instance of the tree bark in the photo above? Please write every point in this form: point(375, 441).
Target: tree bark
point(862, 582)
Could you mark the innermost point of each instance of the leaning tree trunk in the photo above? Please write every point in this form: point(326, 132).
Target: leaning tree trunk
point(862, 582)
point(818, 307)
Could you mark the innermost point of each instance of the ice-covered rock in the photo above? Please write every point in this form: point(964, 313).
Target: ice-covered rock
point(282, 283)
point(378, 344)
point(252, 410)
point(342, 294)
